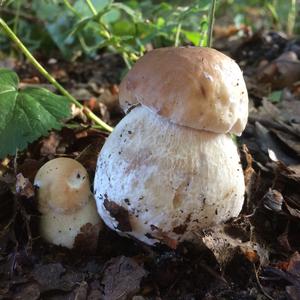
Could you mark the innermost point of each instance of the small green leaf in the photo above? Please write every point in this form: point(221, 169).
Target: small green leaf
point(129, 11)
point(27, 114)
point(80, 25)
point(194, 37)
point(275, 96)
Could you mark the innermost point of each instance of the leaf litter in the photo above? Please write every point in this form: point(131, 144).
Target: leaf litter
point(254, 256)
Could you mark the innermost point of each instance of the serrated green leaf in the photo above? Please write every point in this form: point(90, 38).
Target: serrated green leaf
point(9, 81)
point(27, 114)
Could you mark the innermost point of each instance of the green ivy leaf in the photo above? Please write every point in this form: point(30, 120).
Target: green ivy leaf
point(27, 114)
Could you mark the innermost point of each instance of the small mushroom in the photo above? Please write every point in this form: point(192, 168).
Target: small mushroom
point(64, 201)
point(170, 168)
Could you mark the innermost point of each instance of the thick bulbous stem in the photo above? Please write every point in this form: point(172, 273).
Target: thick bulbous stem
point(157, 180)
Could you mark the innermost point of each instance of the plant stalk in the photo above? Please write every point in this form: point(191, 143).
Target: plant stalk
point(178, 30)
point(51, 79)
point(91, 7)
point(211, 21)
point(291, 17)
point(71, 8)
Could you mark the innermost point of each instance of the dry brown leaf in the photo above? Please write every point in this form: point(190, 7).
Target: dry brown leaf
point(24, 187)
point(121, 278)
point(50, 144)
point(224, 247)
point(281, 72)
point(273, 200)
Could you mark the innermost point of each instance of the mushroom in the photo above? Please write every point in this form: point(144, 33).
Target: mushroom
point(65, 201)
point(170, 168)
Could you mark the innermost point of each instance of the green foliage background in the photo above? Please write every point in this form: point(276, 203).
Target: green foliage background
point(129, 27)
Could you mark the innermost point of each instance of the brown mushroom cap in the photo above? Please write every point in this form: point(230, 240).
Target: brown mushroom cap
point(64, 186)
point(195, 87)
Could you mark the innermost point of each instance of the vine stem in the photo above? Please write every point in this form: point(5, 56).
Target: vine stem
point(178, 30)
point(211, 21)
point(51, 79)
point(71, 8)
point(91, 7)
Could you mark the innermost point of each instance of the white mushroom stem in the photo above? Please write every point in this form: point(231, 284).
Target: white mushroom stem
point(62, 229)
point(157, 180)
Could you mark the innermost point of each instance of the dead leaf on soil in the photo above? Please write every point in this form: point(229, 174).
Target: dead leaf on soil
point(224, 247)
point(267, 142)
point(273, 200)
point(50, 144)
point(289, 140)
point(289, 271)
point(54, 276)
point(293, 292)
point(281, 72)
point(28, 291)
point(121, 278)
point(81, 291)
point(24, 187)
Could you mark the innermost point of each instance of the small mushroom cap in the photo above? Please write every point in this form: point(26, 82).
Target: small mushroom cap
point(63, 186)
point(196, 87)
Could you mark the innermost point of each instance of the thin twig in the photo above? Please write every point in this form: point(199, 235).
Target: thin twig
point(51, 79)
point(260, 285)
point(211, 20)
point(17, 16)
point(71, 8)
point(91, 7)
point(291, 18)
point(178, 31)
point(213, 273)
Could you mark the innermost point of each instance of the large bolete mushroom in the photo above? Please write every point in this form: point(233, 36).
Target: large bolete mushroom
point(170, 168)
point(65, 201)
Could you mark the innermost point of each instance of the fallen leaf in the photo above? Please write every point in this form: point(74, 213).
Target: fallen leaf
point(24, 187)
point(224, 247)
point(281, 72)
point(48, 275)
point(50, 144)
point(81, 291)
point(273, 200)
point(294, 265)
point(163, 237)
point(293, 211)
point(267, 142)
point(293, 292)
point(29, 291)
point(290, 140)
point(121, 278)
point(54, 276)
